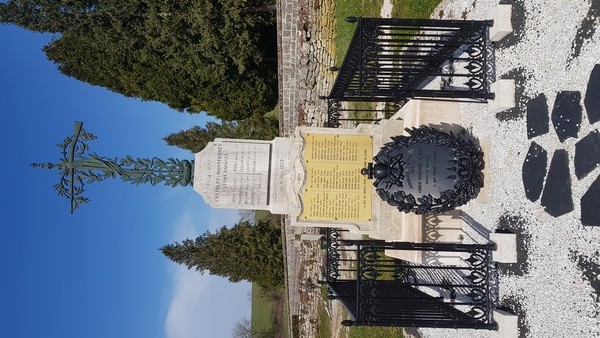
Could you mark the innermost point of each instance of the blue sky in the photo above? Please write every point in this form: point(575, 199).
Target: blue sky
point(97, 273)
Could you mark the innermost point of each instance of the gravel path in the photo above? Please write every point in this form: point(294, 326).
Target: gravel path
point(555, 287)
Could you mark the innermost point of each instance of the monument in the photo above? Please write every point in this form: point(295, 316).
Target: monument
point(428, 172)
point(314, 176)
point(244, 174)
point(377, 180)
point(320, 177)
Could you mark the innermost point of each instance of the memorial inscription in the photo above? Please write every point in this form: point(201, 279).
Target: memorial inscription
point(236, 173)
point(422, 164)
point(334, 188)
point(428, 172)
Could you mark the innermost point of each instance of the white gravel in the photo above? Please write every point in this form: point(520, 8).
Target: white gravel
point(556, 298)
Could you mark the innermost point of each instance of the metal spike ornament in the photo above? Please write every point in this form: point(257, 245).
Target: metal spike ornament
point(79, 168)
point(428, 172)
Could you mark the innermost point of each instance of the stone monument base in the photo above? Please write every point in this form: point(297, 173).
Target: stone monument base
point(507, 324)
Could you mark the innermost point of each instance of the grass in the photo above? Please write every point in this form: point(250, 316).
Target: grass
point(262, 310)
point(369, 331)
point(286, 326)
point(343, 35)
point(375, 332)
point(324, 291)
point(265, 215)
point(383, 259)
point(413, 9)
point(406, 9)
point(269, 317)
point(345, 30)
point(273, 113)
point(364, 110)
point(295, 326)
point(324, 324)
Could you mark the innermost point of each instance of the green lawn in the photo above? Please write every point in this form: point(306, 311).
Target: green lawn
point(359, 331)
point(264, 215)
point(413, 9)
point(408, 9)
point(324, 324)
point(286, 326)
point(344, 30)
point(269, 314)
point(375, 332)
point(274, 113)
point(262, 310)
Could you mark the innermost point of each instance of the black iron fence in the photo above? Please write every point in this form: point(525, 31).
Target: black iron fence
point(339, 112)
point(377, 290)
point(394, 60)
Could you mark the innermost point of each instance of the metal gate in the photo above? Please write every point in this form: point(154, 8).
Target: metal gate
point(393, 60)
point(377, 290)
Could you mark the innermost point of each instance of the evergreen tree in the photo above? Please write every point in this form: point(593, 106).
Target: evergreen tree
point(52, 16)
point(242, 252)
point(196, 138)
point(194, 55)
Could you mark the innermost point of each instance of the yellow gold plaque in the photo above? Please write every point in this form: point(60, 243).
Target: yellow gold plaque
point(335, 190)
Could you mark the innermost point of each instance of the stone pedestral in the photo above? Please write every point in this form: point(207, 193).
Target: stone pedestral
point(446, 227)
point(507, 324)
point(245, 174)
point(314, 177)
point(419, 112)
point(506, 247)
point(502, 24)
point(504, 91)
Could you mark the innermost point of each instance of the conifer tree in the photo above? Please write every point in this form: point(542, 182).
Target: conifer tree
point(243, 252)
point(196, 138)
point(194, 55)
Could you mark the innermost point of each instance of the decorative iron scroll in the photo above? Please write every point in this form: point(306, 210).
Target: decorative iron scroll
point(394, 60)
point(378, 290)
point(451, 179)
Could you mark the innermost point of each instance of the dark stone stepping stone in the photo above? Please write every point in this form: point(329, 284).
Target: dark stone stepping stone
point(557, 199)
point(587, 154)
point(537, 116)
point(566, 114)
point(534, 171)
point(590, 208)
point(592, 96)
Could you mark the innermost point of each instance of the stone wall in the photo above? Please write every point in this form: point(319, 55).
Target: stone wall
point(317, 55)
point(306, 51)
point(287, 41)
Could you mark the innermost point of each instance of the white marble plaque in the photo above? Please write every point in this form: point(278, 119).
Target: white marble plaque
point(234, 174)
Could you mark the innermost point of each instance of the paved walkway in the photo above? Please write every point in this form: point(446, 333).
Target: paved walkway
point(554, 57)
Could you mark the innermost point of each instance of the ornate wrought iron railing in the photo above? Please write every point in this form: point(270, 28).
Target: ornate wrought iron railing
point(377, 290)
point(339, 112)
point(394, 60)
